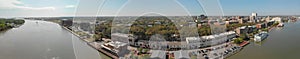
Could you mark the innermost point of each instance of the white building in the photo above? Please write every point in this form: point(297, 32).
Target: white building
point(254, 14)
point(253, 17)
point(196, 42)
point(277, 19)
point(117, 48)
point(261, 36)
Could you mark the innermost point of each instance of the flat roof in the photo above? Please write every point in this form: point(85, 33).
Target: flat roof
point(158, 54)
point(181, 54)
point(211, 36)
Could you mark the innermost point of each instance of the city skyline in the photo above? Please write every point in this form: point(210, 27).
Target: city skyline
point(57, 8)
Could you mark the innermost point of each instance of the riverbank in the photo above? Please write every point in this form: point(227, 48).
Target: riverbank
point(90, 44)
point(6, 24)
point(246, 42)
point(102, 53)
point(273, 47)
point(75, 34)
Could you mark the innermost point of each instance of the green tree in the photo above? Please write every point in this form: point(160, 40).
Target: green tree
point(2, 26)
point(238, 40)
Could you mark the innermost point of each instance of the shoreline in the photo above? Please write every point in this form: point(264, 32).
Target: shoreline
point(3, 30)
point(89, 43)
point(75, 34)
point(84, 40)
point(269, 30)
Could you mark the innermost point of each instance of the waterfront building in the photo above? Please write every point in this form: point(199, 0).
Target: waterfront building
point(270, 23)
point(245, 29)
point(261, 25)
point(116, 48)
point(204, 41)
point(277, 19)
point(260, 36)
point(190, 43)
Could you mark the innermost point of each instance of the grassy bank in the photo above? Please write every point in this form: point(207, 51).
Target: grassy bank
point(9, 23)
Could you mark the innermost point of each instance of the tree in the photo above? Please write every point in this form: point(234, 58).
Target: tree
point(2, 26)
point(243, 36)
point(204, 30)
point(97, 37)
point(238, 40)
point(3, 22)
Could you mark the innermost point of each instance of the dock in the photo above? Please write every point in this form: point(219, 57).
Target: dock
point(244, 43)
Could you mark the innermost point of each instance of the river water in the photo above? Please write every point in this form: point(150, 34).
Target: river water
point(282, 43)
point(43, 40)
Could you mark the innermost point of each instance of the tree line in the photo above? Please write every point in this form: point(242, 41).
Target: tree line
point(9, 23)
point(144, 27)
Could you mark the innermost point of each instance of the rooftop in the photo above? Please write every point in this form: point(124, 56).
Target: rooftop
point(181, 55)
point(158, 54)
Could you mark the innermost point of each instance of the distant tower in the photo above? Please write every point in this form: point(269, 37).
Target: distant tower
point(268, 19)
point(241, 21)
point(254, 14)
point(253, 17)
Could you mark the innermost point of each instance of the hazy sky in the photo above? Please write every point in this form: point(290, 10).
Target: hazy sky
point(21, 8)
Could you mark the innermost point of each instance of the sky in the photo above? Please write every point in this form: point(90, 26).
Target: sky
point(55, 8)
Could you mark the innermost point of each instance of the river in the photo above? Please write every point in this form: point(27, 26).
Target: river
point(282, 43)
point(43, 40)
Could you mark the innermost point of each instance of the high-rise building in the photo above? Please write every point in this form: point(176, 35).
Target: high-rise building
point(253, 17)
point(241, 21)
point(254, 14)
point(267, 19)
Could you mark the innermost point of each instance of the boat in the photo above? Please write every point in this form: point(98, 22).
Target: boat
point(260, 36)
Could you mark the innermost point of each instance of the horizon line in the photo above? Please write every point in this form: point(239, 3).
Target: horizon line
point(130, 16)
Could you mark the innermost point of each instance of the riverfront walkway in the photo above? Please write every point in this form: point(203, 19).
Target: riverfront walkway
point(95, 46)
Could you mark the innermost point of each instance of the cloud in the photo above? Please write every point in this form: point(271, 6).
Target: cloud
point(31, 8)
point(16, 8)
point(70, 6)
point(16, 4)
